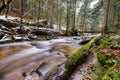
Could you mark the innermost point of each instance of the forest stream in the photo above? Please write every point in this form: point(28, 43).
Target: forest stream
point(19, 60)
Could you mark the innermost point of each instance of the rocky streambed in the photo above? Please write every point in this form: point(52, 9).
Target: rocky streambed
point(38, 60)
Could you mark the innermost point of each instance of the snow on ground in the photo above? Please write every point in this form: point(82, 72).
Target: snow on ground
point(57, 27)
point(9, 17)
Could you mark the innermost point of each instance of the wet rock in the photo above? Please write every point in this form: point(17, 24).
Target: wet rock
point(77, 38)
point(39, 72)
point(58, 53)
point(59, 78)
point(38, 45)
point(51, 49)
point(32, 36)
point(84, 42)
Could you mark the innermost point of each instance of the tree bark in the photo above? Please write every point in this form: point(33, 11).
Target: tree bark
point(39, 10)
point(7, 11)
point(52, 11)
point(106, 16)
point(67, 28)
point(4, 5)
point(21, 14)
point(74, 17)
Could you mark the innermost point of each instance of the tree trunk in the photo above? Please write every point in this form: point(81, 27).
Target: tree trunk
point(21, 14)
point(106, 16)
point(41, 16)
point(67, 28)
point(52, 10)
point(74, 17)
point(4, 5)
point(39, 10)
point(7, 11)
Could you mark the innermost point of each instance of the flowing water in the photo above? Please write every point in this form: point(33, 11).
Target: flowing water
point(19, 59)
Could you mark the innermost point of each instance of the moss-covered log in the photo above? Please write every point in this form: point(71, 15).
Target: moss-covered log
point(76, 58)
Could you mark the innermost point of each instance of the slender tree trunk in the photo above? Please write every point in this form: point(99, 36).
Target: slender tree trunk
point(33, 12)
point(52, 10)
point(81, 25)
point(118, 15)
point(7, 11)
point(21, 14)
point(57, 15)
point(67, 28)
point(83, 19)
point(105, 30)
point(59, 23)
point(74, 17)
point(41, 9)
point(38, 10)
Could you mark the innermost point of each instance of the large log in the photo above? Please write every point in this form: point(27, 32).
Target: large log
point(76, 58)
point(8, 23)
point(42, 23)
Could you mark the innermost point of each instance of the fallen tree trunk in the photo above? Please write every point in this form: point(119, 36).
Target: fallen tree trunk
point(42, 23)
point(8, 23)
point(77, 57)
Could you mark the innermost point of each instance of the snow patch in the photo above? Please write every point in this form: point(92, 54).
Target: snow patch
point(9, 17)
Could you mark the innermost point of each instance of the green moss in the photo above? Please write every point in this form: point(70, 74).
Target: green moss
point(105, 42)
point(104, 72)
point(83, 51)
point(108, 63)
point(109, 74)
point(101, 57)
point(106, 77)
point(79, 54)
point(108, 71)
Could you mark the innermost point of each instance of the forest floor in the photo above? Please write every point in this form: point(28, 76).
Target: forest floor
point(103, 63)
